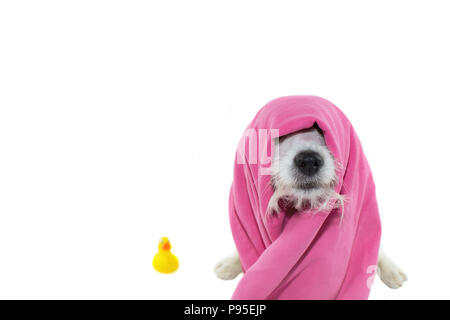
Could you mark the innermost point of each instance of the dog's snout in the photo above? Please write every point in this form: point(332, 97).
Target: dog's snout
point(308, 162)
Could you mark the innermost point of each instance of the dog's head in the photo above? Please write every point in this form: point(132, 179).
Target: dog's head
point(303, 172)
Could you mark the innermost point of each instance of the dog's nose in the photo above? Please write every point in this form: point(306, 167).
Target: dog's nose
point(308, 162)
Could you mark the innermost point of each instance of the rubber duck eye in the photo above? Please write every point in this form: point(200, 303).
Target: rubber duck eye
point(161, 240)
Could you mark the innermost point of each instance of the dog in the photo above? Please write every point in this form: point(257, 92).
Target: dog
point(303, 178)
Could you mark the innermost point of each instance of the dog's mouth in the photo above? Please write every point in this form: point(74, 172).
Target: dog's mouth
point(306, 194)
point(302, 182)
point(305, 183)
point(308, 185)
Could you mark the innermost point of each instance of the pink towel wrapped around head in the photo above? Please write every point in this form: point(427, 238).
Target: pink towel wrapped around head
point(307, 255)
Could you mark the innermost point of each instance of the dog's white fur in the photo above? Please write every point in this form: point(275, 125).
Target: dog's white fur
point(287, 182)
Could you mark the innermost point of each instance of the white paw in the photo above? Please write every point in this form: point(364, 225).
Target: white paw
point(392, 276)
point(228, 268)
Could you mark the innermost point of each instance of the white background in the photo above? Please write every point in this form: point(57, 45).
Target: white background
point(119, 122)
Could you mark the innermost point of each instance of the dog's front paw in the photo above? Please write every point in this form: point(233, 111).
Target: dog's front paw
point(392, 276)
point(228, 268)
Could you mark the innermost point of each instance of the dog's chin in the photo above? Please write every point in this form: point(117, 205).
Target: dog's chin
point(304, 196)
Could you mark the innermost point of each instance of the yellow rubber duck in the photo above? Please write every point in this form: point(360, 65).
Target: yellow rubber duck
point(165, 261)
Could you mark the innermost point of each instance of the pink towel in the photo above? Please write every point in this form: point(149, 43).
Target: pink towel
point(305, 255)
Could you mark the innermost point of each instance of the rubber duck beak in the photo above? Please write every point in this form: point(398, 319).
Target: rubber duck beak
point(166, 246)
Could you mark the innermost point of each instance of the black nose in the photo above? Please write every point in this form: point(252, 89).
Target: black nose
point(308, 162)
